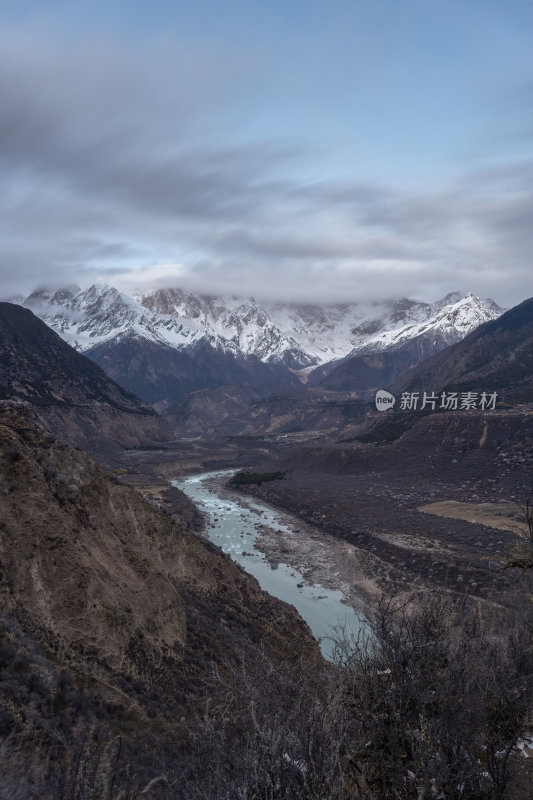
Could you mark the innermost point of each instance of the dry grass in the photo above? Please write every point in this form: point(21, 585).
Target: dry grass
point(504, 516)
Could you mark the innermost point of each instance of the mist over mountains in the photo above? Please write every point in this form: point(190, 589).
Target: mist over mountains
point(266, 440)
point(169, 343)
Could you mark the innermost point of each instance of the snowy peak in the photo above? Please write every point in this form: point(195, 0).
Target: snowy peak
point(332, 332)
point(235, 323)
point(445, 324)
point(87, 317)
point(448, 300)
point(296, 336)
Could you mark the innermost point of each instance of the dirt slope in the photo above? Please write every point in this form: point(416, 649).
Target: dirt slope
point(118, 598)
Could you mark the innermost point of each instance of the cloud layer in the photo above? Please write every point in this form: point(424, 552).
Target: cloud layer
point(136, 169)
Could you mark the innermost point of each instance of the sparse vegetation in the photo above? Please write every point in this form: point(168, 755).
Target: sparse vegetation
point(391, 427)
point(104, 696)
point(428, 703)
point(148, 448)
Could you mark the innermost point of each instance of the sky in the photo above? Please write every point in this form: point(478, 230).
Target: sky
point(306, 151)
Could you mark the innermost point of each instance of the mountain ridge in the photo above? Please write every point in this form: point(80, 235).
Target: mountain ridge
point(112, 618)
point(296, 336)
point(168, 344)
point(495, 356)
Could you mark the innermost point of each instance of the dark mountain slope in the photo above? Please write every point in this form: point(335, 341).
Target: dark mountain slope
point(213, 411)
point(367, 372)
point(496, 357)
point(357, 374)
point(70, 394)
point(162, 375)
point(236, 411)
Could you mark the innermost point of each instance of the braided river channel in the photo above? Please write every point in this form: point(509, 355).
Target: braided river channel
point(233, 525)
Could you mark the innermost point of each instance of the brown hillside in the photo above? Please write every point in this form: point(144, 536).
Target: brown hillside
point(130, 607)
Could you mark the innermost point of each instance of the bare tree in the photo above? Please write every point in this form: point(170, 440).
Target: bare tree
point(426, 704)
point(519, 554)
point(271, 731)
point(440, 703)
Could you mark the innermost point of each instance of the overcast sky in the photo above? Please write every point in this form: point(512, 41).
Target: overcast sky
point(303, 150)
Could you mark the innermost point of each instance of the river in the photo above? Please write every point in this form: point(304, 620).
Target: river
point(233, 526)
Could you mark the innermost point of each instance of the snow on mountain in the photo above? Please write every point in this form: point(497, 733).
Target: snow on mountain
point(235, 323)
point(297, 336)
point(86, 318)
point(330, 333)
point(447, 324)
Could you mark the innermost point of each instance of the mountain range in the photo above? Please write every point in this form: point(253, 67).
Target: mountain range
point(494, 357)
point(169, 343)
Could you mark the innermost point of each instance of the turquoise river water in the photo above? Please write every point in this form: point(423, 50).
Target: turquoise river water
point(233, 526)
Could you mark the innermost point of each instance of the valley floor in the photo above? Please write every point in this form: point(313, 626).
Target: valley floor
point(433, 510)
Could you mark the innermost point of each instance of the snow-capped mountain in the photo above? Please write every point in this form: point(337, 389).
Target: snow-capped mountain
point(240, 325)
point(442, 324)
point(295, 336)
point(88, 318)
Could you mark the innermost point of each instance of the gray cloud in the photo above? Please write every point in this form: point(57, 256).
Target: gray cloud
point(114, 165)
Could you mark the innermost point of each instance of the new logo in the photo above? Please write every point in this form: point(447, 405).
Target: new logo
point(384, 400)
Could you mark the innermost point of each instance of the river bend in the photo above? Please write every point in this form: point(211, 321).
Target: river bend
point(233, 526)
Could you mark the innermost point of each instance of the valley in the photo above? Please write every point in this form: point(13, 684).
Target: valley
point(359, 483)
point(369, 497)
point(154, 564)
point(369, 506)
point(266, 400)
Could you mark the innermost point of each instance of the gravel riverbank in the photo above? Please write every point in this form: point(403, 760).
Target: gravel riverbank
point(319, 557)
